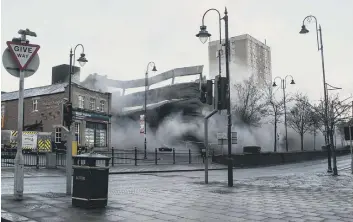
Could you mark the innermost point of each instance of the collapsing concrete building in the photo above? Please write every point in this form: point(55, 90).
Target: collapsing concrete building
point(177, 103)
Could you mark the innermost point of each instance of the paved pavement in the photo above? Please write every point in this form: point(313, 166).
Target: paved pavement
point(293, 192)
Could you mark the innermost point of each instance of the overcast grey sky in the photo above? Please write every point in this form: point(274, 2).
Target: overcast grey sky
point(121, 37)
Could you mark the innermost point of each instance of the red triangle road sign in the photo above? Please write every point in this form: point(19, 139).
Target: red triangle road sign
point(22, 53)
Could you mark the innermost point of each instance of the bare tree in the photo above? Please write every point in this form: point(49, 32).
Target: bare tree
point(337, 110)
point(275, 110)
point(316, 125)
point(251, 104)
point(299, 117)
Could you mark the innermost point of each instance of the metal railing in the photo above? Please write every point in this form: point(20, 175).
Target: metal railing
point(118, 157)
point(30, 159)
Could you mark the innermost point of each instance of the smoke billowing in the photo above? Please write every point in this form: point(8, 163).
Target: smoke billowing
point(175, 127)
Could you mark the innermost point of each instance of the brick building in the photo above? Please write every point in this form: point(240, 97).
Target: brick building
point(43, 110)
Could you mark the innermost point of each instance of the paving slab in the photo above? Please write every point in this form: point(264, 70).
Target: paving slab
point(183, 196)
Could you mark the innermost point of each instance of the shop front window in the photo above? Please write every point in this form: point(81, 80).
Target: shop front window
point(96, 134)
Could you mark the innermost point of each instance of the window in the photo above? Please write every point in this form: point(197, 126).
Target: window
point(35, 105)
point(102, 104)
point(77, 132)
point(96, 134)
point(58, 135)
point(81, 102)
point(92, 104)
point(89, 136)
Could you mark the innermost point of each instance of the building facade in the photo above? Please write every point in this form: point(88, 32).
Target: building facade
point(43, 109)
point(248, 57)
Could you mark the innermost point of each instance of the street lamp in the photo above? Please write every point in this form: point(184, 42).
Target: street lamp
point(332, 87)
point(154, 69)
point(82, 60)
point(320, 47)
point(283, 87)
point(203, 35)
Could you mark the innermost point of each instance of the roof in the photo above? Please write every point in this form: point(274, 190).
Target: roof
point(38, 91)
point(241, 37)
point(42, 90)
point(127, 84)
point(128, 110)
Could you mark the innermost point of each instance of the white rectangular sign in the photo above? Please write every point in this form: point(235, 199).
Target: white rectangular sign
point(221, 136)
point(29, 141)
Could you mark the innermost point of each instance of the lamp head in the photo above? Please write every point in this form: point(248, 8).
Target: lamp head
point(292, 82)
point(154, 69)
point(274, 84)
point(304, 30)
point(203, 35)
point(82, 60)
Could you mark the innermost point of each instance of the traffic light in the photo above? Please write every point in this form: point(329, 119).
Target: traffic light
point(206, 94)
point(221, 87)
point(209, 92)
point(203, 93)
point(67, 114)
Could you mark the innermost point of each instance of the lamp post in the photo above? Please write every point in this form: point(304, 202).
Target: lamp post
point(283, 87)
point(204, 36)
point(154, 69)
point(82, 60)
point(320, 47)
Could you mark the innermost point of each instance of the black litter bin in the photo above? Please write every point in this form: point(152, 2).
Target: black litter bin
point(90, 181)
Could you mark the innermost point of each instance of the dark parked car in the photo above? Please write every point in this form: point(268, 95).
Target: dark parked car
point(165, 149)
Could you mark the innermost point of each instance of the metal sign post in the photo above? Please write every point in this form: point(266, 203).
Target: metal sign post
point(206, 144)
point(69, 160)
point(350, 142)
point(17, 60)
point(19, 161)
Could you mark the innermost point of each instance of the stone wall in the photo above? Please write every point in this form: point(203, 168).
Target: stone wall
point(270, 158)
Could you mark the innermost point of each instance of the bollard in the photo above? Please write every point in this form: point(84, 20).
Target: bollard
point(189, 156)
point(135, 156)
point(37, 165)
point(112, 156)
point(173, 155)
point(155, 156)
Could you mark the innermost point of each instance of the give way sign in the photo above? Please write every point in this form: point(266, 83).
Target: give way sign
point(22, 53)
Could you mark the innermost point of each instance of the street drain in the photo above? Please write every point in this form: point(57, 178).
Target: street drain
point(37, 206)
point(221, 191)
point(209, 183)
point(53, 195)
